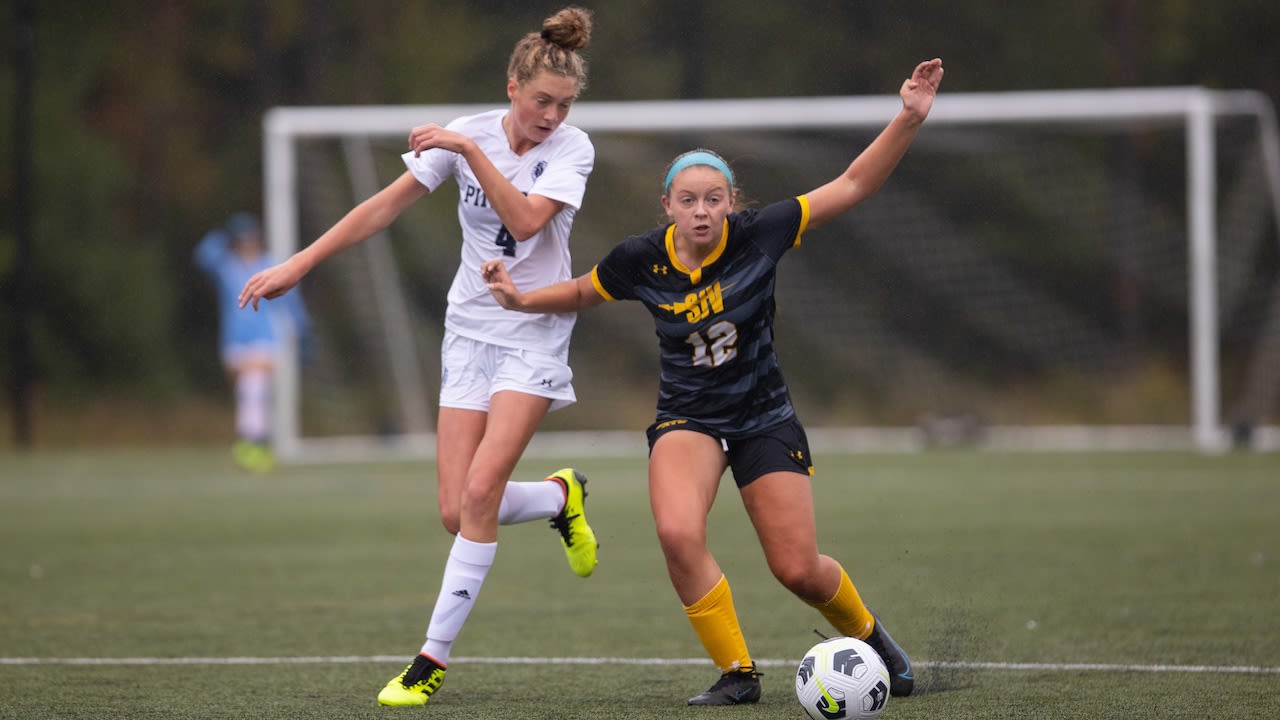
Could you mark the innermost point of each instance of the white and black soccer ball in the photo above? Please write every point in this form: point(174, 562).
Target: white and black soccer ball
point(842, 678)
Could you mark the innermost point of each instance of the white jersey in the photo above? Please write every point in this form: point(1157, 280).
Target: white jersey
point(556, 168)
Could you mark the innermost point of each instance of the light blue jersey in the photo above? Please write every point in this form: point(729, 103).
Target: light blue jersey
point(246, 330)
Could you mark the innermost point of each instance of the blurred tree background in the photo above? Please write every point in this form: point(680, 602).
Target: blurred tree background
point(146, 131)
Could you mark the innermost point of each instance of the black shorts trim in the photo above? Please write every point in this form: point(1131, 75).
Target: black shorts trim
point(781, 448)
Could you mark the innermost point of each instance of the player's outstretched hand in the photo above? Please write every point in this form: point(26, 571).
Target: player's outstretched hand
point(500, 284)
point(919, 90)
point(270, 283)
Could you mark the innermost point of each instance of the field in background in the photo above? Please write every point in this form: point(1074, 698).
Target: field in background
point(168, 584)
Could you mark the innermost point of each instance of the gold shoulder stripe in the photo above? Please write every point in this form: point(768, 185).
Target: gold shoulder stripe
point(595, 282)
point(804, 218)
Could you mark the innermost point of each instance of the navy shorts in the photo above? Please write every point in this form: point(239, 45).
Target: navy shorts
point(780, 448)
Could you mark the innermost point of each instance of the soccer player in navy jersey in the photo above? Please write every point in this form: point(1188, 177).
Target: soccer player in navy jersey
point(708, 280)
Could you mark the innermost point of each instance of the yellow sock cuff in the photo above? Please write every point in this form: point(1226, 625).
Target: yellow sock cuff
point(709, 601)
point(715, 621)
point(845, 610)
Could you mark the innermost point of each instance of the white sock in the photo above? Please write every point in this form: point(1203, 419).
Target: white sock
point(525, 501)
point(253, 400)
point(464, 573)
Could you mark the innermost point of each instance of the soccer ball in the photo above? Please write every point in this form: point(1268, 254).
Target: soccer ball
point(842, 678)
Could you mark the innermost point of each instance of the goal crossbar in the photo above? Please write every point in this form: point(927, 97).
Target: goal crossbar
point(1196, 108)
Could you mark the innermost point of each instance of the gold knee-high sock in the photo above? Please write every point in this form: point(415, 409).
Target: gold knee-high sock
point(716, 623)
point(845, 610)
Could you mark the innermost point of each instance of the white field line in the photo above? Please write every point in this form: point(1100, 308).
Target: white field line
point(346, 659)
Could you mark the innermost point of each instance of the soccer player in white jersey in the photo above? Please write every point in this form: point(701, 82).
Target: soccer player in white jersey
point(521, 174)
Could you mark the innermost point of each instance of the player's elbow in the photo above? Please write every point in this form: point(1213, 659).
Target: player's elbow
point(529, 218)
point(522, 231)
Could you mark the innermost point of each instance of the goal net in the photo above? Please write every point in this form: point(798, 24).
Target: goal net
point(1061, 270)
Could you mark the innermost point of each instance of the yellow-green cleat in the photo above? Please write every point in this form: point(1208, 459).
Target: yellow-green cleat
point(253, 456)
point(575, 534)
point(415, 685)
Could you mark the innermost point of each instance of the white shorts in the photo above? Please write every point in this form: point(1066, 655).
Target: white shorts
point(472, 371)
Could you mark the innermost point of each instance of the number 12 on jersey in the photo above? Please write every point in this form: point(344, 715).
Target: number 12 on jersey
point(717, 348)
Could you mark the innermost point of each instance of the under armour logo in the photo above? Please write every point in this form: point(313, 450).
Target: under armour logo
point(546, 382)
point(462, 594)
point(660, 269)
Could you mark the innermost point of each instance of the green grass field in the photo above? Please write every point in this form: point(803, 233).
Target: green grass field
point(169, 585)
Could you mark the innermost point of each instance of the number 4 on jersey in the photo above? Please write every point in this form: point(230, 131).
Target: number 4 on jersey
point(506, 241)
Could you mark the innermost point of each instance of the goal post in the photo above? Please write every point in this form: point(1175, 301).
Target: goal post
point(1198, 111)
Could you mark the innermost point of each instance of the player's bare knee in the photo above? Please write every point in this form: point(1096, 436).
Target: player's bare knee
point(483, 498)
point(679, 541)
point(451, 520)
point(798, 577)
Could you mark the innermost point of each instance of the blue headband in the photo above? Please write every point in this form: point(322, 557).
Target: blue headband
point(697, 157)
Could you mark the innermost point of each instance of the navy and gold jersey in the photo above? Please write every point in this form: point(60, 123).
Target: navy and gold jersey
point(714, 323)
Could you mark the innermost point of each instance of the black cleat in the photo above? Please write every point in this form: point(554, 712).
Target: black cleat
point(901, 680)
point(733, 688)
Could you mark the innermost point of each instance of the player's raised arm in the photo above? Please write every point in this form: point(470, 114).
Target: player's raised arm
point(566, 296)
point(360, 223)
point(874, 164)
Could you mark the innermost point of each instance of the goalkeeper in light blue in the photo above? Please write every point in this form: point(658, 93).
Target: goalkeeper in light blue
point(249, 342)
